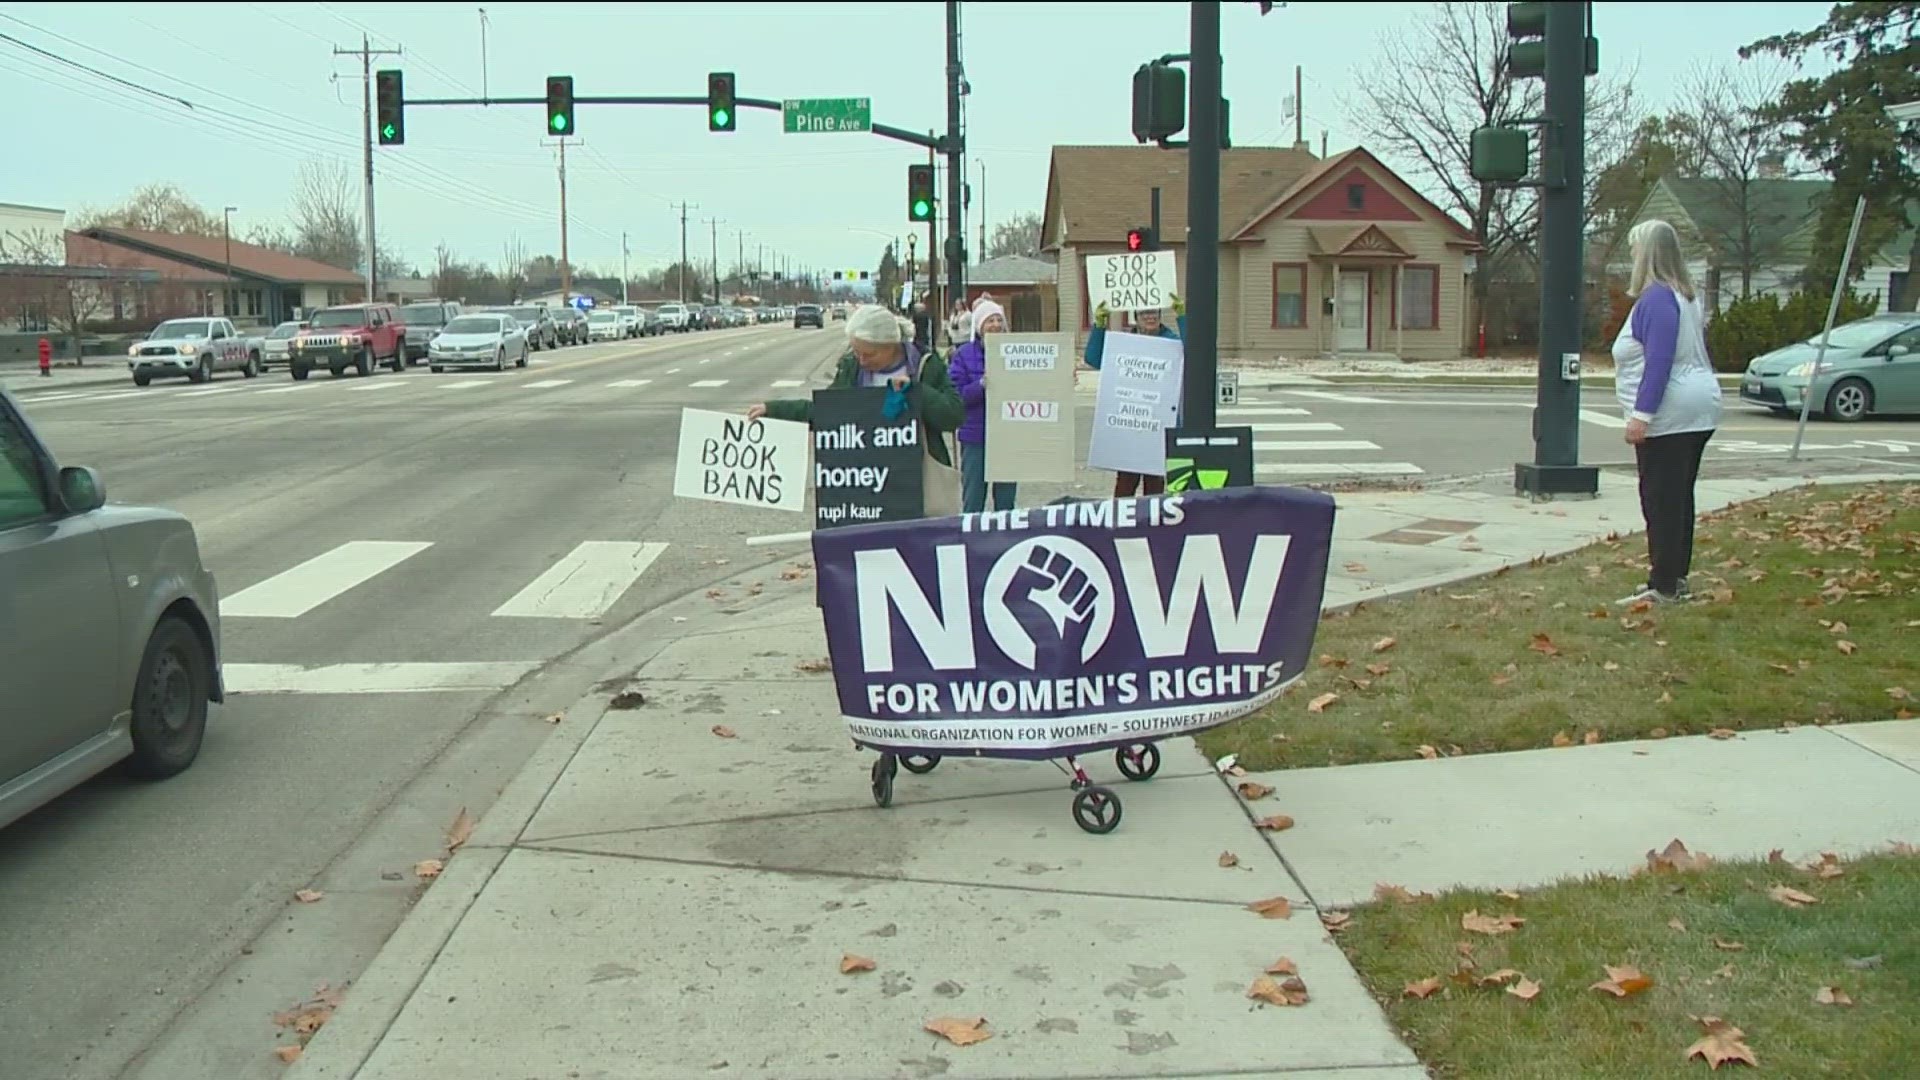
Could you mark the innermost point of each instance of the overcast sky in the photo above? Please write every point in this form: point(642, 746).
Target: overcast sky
point(268, 92)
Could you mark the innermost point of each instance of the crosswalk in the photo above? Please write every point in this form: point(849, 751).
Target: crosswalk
point(410, 388)
point(1282, 451)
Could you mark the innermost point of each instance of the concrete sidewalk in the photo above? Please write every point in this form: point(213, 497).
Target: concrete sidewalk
point(98, 371)
point(668, 890)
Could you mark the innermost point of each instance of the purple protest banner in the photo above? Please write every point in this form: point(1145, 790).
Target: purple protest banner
point(1064, 629)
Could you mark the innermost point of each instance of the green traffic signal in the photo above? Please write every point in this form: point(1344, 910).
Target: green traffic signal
point(389, 131)
point(720, 118)
point(559, 122)
point(921, 209)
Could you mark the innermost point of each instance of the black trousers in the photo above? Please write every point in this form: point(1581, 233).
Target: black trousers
point(1669, 466)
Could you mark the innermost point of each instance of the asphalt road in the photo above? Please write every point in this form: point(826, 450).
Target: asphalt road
point(468, 533)
point(1395, 434)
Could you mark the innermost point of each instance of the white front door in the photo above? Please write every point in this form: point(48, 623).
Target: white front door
point(1351, 310)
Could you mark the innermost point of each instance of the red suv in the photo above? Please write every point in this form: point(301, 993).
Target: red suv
point(350, 335)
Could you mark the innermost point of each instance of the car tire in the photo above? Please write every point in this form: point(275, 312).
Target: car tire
point(170, 696)
point(252, 370)
point(203, 372)
point(522, 362)
point(141, 378)
point(437, 369)
point(499, 359)
point(1849, 401)
point(299, 372)
point(399, 361)
point(364, 363)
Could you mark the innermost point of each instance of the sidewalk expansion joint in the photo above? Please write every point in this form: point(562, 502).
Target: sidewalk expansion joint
point(1267, 838)
point(851, 875)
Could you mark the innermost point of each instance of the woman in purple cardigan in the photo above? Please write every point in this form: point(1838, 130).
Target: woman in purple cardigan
point(968, 370)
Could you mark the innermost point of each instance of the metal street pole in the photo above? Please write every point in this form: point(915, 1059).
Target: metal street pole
point(1555, 468)
point(366, 52)
point(982, 253)
point(625, 291)
point(713, 242)
point(1203, 219)
point(684, 267)
point(226, 233)
point(1833, 312)
point(956, 146)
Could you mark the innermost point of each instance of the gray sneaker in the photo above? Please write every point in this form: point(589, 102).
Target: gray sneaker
point(1650, 595)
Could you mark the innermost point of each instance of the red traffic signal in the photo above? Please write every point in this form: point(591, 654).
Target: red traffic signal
point(1140, 238)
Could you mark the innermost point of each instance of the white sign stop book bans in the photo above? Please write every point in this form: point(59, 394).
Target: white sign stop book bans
point(1135, 281)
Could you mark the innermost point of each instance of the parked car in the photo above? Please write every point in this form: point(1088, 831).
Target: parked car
point(569, 325)
point(1871, 367)
point(606, 326)
point(809, 315)
point(349, 335)
point(483, 339)
point(537, 322)
point(194, 349)
point(674, 317)
point(111, 623)
point(273, 347)
point(425, 319)
point(633, 321)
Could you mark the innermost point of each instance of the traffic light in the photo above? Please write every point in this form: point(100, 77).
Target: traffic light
point(1159, 102)
point(919, 193)
point(1141, 238)
point(390, 119)
point(721, 115)
point(560, 105)
point(1527, 54)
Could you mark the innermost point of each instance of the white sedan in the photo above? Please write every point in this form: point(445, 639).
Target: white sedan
point(488, 340)
point(606, 326)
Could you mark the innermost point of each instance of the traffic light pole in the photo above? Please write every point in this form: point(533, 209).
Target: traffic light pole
point(885, 131)
point(1555, 468)
point(1201, 343)
point(956, 164)
point(366, 52)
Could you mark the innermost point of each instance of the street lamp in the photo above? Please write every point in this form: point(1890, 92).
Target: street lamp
point(226, 233)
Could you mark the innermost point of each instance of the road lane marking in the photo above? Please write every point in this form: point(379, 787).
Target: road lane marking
point(586, 583)
point(779, 383)
point(383, 384)
point(1269, 411)
point(292, 593)
point(707, 360)
point(373, 678)
point(1294, 427)
point(215, 390)
point(625, 383)
point(458, 383)
point(671, 371)
point(288, 389)
point(1605, 420)
point(544, 384)
point(117, 394)
point(707, 384)
point(1324, 395)
point(1336, 468)
point(55, 397)
point(1260, 445)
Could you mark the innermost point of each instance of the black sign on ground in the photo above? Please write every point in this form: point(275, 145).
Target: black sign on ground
point(1205, 459)
point(866, 468)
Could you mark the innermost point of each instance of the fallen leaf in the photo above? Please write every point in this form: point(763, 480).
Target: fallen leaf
point(1228, 858)
point(1544, 645)
point(1847, 648)
point(1827, 866)
point(959, 1032)
point(792, 573)
point(814, 667)
point(1721, 1044)
point(1834, 628)
point(1525, 989)
point(1624, 981)
point(1657, 733)
point(1428, 752)
point(1831, 995)
point(308, 896)
point(1423, 989)
point(1791, 897)
point(714, 594)
point(428, 869)
point(460, 831)
point(1283, 966)
point(556, 718)
point(1675, 858)
point(1561, 738)
point(724, 731)
point(1356, 568)
point(289, 1053)
point(1675, 924)
point(1286, 992)
point(1722, 733)
point(1329, 660)
point(1784, 669)
point(1591, 738)
point(1476, 923)
point(1274, 907)
point(1665, 698)
point(1492, 978)
point(1384, 644)
point(1274, 823)
point(1639, 606)
point(1336, 921)
point(1319, 704)
point(851, 963)
point(1507, 894)
point(1399, 894)
point(1728, 946)
point(1899, 693)
point(1377, 670)
point(1251, 790)
point(1609, 666)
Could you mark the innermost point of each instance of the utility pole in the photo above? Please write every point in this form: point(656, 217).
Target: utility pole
point(366, 52)
point(713, 241)
point(566, 267)
point(1203, 220)
point(626, 296)
point(226, 233)
point(982, 253)
point(933, 247)
point(956, 147)
point(740, 251)
point(683, 250)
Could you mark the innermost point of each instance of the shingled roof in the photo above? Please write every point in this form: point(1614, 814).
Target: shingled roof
point(1104, 189)
point(210, 252)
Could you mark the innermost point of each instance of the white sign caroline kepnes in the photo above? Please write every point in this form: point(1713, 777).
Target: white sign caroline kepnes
point(725, 457)
point(1030, 422)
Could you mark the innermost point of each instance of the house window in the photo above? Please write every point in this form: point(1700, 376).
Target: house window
point(1420, 298)
point(1356, 196)
point(1289, 296)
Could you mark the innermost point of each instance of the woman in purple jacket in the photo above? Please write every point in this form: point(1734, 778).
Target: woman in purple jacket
point(968, 370)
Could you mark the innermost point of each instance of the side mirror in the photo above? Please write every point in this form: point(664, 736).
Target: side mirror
point(82, 489)
point(1894, 351)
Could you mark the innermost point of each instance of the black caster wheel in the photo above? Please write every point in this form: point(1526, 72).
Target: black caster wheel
point(1138, 762)
point(885, 768)
point(921, 766)
point(1096, 809)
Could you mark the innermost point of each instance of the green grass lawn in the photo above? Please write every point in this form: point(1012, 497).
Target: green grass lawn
point(1809, 613)
point(1823, 989)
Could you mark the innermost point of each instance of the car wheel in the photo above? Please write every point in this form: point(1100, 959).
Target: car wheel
point(522, 362)
point(499, 359)
point(364, 363)
point(170, 701)
point(399, 361)
point(298, 371)
point(1849, 401)
point(436, 369)
point(141, 378)
point(203, 372)
point(252, 370)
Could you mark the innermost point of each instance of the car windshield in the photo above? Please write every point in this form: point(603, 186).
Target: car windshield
point(671, 309)
point(604, 317)
point(811, 309)
point(340, 317)
point(284, 330)
point(423, 314)
point(527, 314)
point(1864, 334)
point(179, 328)
point(474, 324)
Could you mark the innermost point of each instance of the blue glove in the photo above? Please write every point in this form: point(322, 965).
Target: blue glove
point(896, 403)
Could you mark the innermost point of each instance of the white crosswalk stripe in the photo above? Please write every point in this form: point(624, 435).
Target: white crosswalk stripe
point(1307, 469)
point(544, 384)
point(627, 383)
point(215, 390)
point(585, 584)
point(707, 384)
point(1274, 458)
point(780, 384)
point(295, 592)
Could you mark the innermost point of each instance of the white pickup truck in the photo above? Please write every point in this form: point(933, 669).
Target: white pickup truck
point(674, 317)
point(196, 348)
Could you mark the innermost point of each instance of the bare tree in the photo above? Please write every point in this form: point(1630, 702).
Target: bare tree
point(1018, 235)
point(326, 214)
point(1431, 84)
point(63, 298)
point(1719, 121)
point(513, 262)
point(155, 208)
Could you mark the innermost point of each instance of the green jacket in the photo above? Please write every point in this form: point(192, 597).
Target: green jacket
point(932, 395)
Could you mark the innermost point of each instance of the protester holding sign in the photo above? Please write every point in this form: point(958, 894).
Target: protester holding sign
point(970, 379)
point(1146, 322)
point(882, 355)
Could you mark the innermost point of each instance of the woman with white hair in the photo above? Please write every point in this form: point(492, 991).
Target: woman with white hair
point(1664, 381)
point(881, 353)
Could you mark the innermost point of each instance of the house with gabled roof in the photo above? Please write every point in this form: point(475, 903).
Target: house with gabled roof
point(248, 283)
point(1333, 256)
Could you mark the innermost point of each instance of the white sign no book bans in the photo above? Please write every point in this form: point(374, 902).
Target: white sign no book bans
point(725, 457)
point(1136, 281)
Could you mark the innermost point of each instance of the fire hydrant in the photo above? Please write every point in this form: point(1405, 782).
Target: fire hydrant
point(46, 358)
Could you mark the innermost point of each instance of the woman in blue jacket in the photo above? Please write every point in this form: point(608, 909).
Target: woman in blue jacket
point(1127, 484)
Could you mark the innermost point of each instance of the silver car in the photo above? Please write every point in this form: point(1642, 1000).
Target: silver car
point(486, 339)
point(1871, 367)
point(273, 347)
point(111, 626)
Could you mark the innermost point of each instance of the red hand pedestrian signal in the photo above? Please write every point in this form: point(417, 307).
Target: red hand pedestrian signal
point(1140, 238)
